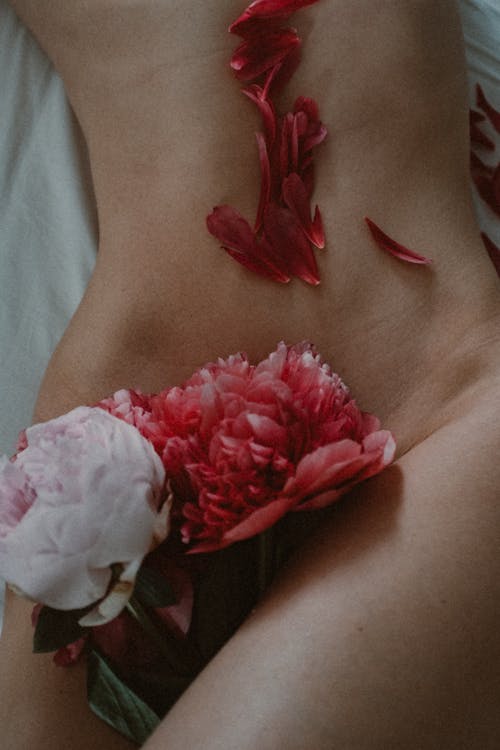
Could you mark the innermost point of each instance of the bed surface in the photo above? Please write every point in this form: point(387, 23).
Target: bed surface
point(48, 230)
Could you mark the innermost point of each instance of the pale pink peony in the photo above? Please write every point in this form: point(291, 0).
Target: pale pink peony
point(85, 494)
point(243, 444)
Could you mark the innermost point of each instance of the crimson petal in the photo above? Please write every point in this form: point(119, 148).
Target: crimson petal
point(257, 55)
point(493, 251)
point(265, 184)
point(478, 167)
point(266, 10)
point(394, 248)
point(266, 109)
point(481, 139)
point(238, 240)
point(284, 234)
point(296, 198)
point(492, 114)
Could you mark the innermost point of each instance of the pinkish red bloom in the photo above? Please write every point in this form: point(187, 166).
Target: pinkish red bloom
point(247, 444)
point(394, 248)
point(492, 114)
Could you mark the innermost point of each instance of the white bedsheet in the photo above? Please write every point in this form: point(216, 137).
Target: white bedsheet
point(48, 227)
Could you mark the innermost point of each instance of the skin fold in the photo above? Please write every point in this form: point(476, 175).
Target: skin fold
point(383, 631)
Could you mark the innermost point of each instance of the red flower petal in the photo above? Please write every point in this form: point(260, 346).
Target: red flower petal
point(257, 95)
point(284, 234)
point(296, 198)
point(238, 239)
point(266, 10)
point(394, 248)
point(492, 114)
point(265, 184)
point(496, 185)
point(257, 55)
point(475, 117)
point(480, 139)
point(493, 251)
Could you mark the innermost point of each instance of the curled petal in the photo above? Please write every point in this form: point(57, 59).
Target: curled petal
point(266, 10)
point(394, 248)
point(296, 198)
point(493, 251)
point(492, 114)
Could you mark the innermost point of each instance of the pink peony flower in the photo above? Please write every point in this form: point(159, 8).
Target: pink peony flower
point(244, 444)
point(85, 494)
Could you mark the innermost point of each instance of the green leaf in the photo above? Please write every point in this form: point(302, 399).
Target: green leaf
point(152, 589)
point(56, 629)
point(116, 704)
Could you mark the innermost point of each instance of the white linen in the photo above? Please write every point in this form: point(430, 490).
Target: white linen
point(48, 232)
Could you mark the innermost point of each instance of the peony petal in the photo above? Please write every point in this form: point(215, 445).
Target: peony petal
point(239, 241)
point(265, 184)
point(266, 10)
point(287, 239)
point(394, 248)
point(490, 111)
point(478, 167)
point(493, 251)
point(266, 108)
point(296, 198)
point(257, 55)
point(317, 470)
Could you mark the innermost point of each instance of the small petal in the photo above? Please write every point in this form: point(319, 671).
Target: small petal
point(296, 198)
point(266, 10)
point(257, 55)
point(257, 95)
point(490, 111)
point(283, 232)
point(265, 184)
point(486, 190)
point(238, 240)
point(394, 248)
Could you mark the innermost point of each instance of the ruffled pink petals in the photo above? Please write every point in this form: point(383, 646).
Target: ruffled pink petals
point(266, 10)
point(492, 114)
point(493, 251)
point(238, 239)
point(296, 198)
point(392, 247)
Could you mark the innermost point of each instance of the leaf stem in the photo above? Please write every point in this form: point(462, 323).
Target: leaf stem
point(181, 659)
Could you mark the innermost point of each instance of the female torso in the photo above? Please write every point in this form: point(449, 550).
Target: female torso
point(170, 136)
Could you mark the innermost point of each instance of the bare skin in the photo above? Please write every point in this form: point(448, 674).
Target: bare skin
point(170, 136)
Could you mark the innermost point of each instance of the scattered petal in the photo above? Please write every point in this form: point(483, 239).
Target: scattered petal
point(266, 10)
point(394, 248)
point(257, 95)
point(257, 55)
point(283, 232)
point(296, 198)
point(265, 184)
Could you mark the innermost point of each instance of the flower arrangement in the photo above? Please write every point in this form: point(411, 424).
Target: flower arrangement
point(132, 522)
